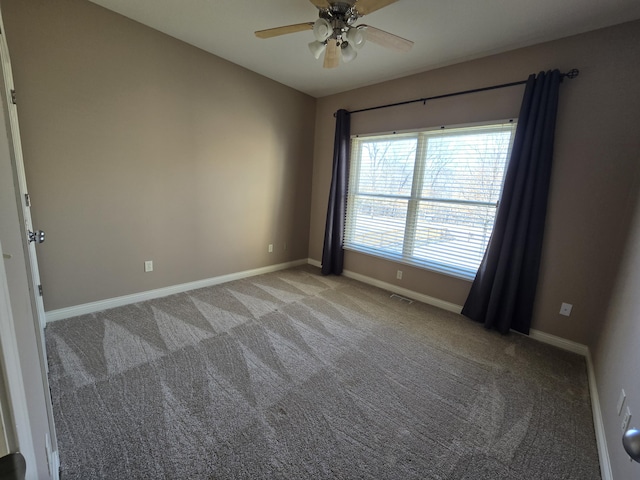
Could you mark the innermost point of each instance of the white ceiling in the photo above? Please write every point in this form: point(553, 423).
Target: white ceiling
point(444, 32)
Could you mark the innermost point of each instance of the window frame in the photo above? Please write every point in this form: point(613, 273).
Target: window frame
point(414, 199)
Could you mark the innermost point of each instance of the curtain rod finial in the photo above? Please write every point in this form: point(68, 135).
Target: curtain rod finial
point(573, 73)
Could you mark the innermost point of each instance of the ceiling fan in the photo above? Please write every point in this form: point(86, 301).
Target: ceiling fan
point(336, 33)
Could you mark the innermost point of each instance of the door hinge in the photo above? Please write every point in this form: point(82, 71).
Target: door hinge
point(27, 200)
point(40, 290)
point(13, 97)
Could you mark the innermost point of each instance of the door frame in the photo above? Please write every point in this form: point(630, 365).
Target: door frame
point(23, 206)
point(18, 164)
point(19, 435)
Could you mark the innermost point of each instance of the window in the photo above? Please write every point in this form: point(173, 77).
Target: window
point(427, 198)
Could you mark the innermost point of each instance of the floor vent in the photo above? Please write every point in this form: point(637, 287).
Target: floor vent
point(395, 296)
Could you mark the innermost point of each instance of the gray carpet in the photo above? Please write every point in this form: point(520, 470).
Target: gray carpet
point(292, 375)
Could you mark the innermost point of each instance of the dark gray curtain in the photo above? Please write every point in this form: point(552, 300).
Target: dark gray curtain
point(504, 289)
point(332, 253)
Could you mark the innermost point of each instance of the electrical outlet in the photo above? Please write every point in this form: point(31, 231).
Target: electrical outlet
point(626, 420)
point(148, 266)
point(623, 395)
point(399, 275)
point(270, 248)
point(565, 309)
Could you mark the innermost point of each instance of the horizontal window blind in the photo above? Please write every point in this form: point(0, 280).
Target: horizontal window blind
point(428, 198)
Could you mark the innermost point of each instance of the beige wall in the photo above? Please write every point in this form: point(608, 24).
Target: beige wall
point(140, 147)
point(595, 156)
point(617, 351)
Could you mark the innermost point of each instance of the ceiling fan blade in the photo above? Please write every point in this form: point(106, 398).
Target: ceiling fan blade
point(320, 3)
point(365, 7)
point(331, 54)
point(386, 39)
point(274, 32)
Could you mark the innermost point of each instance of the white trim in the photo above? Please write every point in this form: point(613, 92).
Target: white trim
point(54, 463)
point(24, 213)
point(436, 302)
point(598, 423)
point(314, 263)
point(559, 342)
point(475, 125)
point(580, 349)
point(13, 376)
point(405, 292)
point(603, 453)
point(87, 308)
point(543, 337)
point(454, 261)
point(53, 460)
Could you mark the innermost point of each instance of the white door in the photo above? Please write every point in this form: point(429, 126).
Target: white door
point(31, 237)
point(22, 182)
point(13, 400)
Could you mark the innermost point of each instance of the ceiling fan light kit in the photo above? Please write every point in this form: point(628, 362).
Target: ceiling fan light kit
point(317, 48)
point(355, 37)
point(348, 52)
point(322, 29)
point(335, 32)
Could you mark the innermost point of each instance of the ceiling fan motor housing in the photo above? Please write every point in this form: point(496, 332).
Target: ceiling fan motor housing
point(336, 22)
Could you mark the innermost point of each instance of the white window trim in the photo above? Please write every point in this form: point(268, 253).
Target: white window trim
point(405, 258)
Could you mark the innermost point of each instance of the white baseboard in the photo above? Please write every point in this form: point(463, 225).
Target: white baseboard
point(603, 452)
point(53, 460)
point(452, 307)
point(559, 342)
point(598, 423)
point(56, 465)
point(436, 302)
point(87, 308)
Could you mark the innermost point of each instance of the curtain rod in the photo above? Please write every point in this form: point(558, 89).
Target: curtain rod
point(573, 73)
